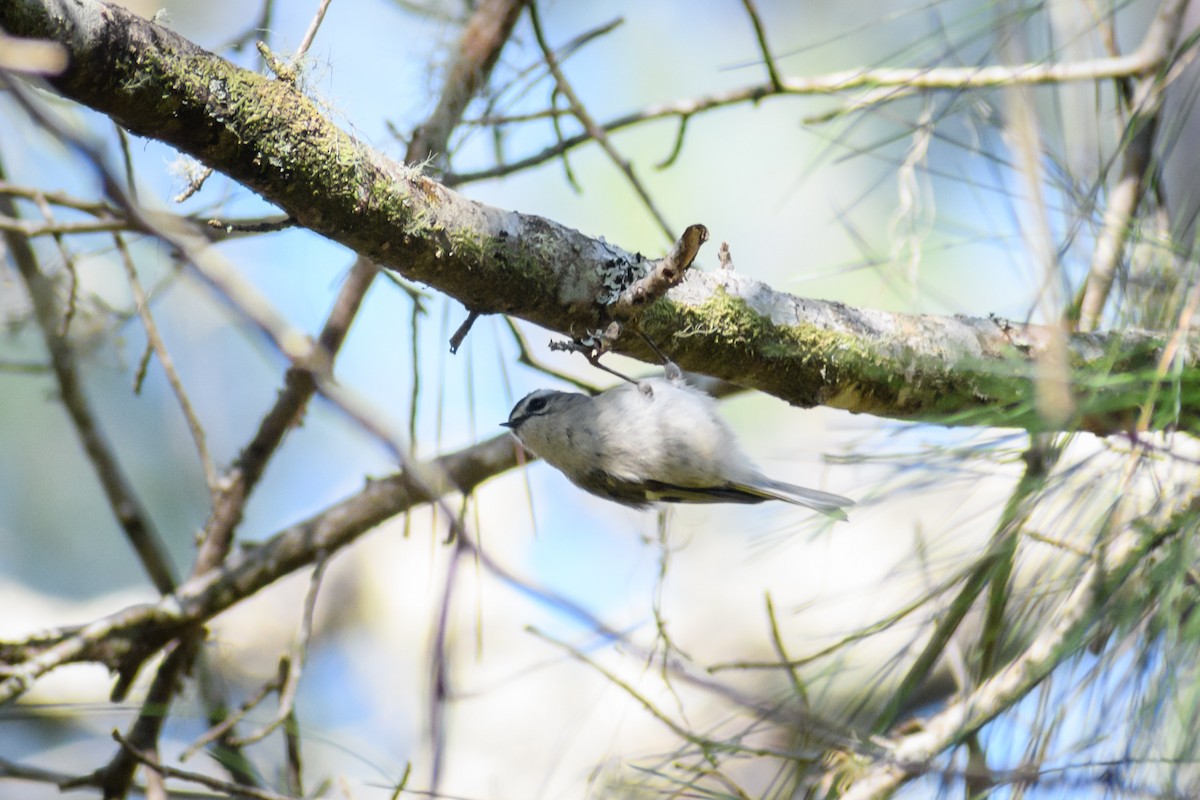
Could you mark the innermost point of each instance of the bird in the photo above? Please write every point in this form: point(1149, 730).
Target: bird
point(650, 441)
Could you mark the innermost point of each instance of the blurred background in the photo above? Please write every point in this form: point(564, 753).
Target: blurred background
point(920, 205)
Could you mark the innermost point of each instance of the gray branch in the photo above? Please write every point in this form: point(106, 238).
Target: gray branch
point(272, 139)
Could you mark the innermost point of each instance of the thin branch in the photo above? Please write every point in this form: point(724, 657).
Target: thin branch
point(311, 33)
point(525, 356)
point(294, 663)
point(299, 387)
point(1123, 202)
point(460, 334)
point(119, 491)
point(10, 224)
point(94, 207)
point(760, 33)
point(221, 730)
point(805, 352)
point(585, 119)
point(228, 788)
point(662, 275)
point(882, 84)
point(1145, 98)
point(137, 632)
point(156, 342)
point(1059, 640)
point(483, 37)
point(116, 776)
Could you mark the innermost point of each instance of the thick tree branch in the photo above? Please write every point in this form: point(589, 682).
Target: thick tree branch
point(134, 634)
point(269, 137)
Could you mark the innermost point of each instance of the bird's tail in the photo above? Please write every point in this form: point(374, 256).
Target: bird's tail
point(828, 504)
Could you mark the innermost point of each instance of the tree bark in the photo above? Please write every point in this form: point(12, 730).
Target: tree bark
point(268, 136)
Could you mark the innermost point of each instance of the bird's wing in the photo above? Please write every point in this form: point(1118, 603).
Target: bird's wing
point(641, 493)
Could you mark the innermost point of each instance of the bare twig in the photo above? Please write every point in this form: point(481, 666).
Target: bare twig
point(270, 224)
point(231, 789)
point(116, 776)
point(311, 33)
point(95, 207)
point(299, 387)
point(223, 727)
point(662, 275)
point(526, 357)
point(483, 37)
point(594, 131)
point(910, 755)
point(30, 229)
point(760, 33)
point(883, 84)
point(1145, 102)
point(461, 332)
point(246, 571)
point(155, 341)
point(294, 663)
point(195, 182)
point(122, 498)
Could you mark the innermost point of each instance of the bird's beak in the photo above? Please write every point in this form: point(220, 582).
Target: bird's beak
point(509, 424)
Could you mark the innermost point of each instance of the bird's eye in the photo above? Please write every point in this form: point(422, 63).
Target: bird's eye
point(536, 404)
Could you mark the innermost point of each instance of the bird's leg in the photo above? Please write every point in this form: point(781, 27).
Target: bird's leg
point(593, 356)
point(671, 370)
point(594, 346)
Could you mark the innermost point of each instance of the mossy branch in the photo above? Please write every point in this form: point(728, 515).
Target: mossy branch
point(271, 138)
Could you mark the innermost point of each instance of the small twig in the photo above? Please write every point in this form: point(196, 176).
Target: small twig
point(143, 368)
point(592, 348)
point(227, 787)
point(483, 37)
point(293, 759)
point(760, 33)
point(526, 357)
point(594, 130)
point(116, 776)
point(311, 33)
point(196, 180)
point(119, 491)
point(291, 667)
point(459, 335)
point(265, 225)
point(439, 678)
point(299, 387)
point(33, 229)
point(222, 728)
point(882, 85)
point(154, 340)
point(662, 275)
point(676, 728)
point(677, 147)
point(127, 160)
point(97, 208)
point(71, 304)
point(284, 71)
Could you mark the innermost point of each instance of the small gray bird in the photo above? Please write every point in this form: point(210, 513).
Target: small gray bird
point(657, 440)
